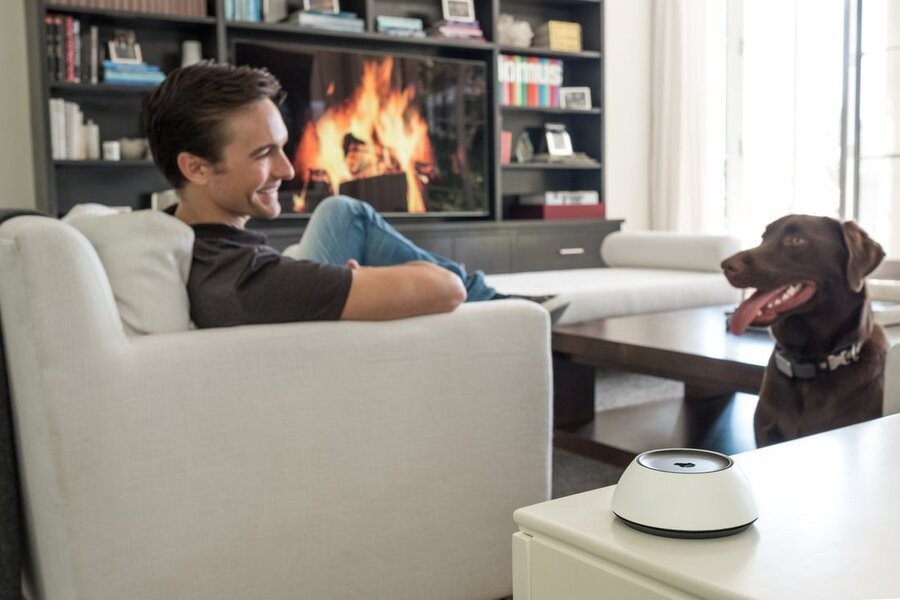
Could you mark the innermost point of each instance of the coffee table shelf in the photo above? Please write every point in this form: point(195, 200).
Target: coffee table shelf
point(691, 346)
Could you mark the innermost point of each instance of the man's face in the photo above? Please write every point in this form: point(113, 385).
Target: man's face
point(245, 182)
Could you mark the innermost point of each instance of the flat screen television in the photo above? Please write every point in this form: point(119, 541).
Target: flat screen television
point(406, 134)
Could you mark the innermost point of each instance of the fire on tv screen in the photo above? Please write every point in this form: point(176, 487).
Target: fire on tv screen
point(406, 134)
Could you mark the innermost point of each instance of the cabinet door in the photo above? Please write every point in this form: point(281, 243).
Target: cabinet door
point(490, 252)
point(539, 251)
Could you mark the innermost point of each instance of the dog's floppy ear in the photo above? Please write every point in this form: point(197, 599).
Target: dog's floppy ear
point(864, 254)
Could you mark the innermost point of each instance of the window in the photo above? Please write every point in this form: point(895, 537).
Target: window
point(784, 82)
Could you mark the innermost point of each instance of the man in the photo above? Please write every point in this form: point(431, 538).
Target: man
point(216, 133)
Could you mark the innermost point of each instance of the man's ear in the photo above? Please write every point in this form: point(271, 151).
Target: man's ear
point(195, 169)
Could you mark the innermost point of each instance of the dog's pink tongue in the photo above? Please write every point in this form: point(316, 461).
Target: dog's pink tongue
point(747, 312)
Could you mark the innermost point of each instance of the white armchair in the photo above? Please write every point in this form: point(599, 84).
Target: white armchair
point(308, 460)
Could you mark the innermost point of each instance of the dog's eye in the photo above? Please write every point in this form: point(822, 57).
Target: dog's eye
point(794, 240)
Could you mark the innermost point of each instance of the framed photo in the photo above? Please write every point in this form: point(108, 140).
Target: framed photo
point(328, 6)
point(575, 97)
point(459, 10)
point(558, 141)
point(123, 48)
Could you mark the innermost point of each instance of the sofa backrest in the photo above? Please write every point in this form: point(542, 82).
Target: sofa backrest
point(667, 250)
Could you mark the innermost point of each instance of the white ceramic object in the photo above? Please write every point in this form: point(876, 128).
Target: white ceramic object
point(685, 493)
point(133, 148)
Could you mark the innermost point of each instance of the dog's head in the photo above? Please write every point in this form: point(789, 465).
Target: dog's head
point(803, 263)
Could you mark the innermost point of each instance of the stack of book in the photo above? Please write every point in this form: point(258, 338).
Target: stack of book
point(70, 137)
point(69, 57)
point(579, 204)
point(531, 81)
point(339, 21)
point(243, 10)
point(400, 26)
point(463, 30)
point(138, 74)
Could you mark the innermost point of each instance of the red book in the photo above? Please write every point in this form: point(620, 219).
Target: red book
point(566, 211)
point(505, 147)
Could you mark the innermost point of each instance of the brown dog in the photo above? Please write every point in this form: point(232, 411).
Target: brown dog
point(827, 369)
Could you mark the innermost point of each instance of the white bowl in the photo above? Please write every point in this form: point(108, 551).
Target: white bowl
point(685, 493)
point(133, 148)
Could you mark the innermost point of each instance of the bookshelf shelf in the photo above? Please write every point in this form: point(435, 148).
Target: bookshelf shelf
point(551, 111)
point(587, 55)
point(538, 166)
point(99, 89)
point(130, 17)
point(104, 164)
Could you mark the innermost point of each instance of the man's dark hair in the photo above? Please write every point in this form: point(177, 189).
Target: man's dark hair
point(188, 112)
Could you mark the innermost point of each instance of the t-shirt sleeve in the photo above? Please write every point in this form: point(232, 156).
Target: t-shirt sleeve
point(248, 286)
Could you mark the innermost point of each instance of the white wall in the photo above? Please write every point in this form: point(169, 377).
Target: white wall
point(16, 164)
point(627, 111)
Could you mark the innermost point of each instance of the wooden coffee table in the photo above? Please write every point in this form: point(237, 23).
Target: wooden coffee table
point(691, 346)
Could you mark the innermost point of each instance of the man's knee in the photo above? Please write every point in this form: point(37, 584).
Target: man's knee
point(336, 205)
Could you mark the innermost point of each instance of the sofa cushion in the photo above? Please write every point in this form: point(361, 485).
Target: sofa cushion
point(667, 250)
point(147, 257)
point(611, 292)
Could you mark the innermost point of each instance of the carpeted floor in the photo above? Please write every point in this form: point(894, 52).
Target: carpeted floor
point(573, 473)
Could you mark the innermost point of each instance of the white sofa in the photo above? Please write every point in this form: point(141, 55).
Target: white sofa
point(648, 271)
point(308, 460)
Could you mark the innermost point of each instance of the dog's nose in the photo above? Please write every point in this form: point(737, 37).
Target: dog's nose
point(734, 265)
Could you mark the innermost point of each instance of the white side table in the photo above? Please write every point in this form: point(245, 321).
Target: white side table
point(829, 527)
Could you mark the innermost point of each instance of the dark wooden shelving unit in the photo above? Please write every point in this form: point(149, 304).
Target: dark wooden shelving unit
point(491, 240)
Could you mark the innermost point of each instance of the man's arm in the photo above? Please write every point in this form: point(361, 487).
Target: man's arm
point(407, 290)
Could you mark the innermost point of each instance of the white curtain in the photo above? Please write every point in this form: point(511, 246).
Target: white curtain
point(680, 194)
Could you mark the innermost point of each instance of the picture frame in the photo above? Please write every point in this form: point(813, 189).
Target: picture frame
point(123, 47)
point(557, 139)
point(325, 6)
point(578, 98)
point(459, 10)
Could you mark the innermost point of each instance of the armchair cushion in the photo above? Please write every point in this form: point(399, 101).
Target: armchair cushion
point(147, 256)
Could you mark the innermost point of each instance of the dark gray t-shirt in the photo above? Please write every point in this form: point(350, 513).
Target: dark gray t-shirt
point(238, 279)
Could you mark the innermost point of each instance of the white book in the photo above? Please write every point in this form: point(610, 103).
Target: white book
point(94, 50)
point(562, 198)
point(55, 108)
point(73, 122)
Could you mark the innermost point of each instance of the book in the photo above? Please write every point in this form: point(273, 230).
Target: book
point(562, 198)
point(531, 81)
point(389, 22)
point(505, 147)
point(94, 58)
point(572, 211)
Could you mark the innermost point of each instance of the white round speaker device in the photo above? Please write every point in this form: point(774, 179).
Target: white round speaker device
point(685, 493)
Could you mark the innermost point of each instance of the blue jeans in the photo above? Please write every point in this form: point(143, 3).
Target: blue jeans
point(342, 228)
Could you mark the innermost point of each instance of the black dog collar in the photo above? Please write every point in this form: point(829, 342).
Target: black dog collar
point(794, 368)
